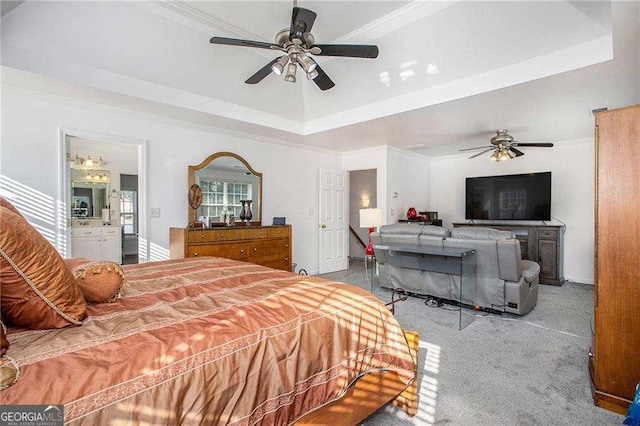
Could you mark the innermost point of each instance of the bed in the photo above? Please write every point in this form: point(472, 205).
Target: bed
point(216, 341)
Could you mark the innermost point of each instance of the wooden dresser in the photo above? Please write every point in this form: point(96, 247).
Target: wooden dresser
point(264, 245)
point(615, 354)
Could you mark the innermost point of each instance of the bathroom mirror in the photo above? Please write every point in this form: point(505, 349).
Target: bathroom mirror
point(89, 191)
point(225, 178)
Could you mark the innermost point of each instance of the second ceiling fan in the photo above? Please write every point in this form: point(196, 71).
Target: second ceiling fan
point(504, 147)
point(297, 43)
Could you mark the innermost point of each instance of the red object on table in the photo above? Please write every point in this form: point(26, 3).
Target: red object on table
point(369, 250)
point(412, 213)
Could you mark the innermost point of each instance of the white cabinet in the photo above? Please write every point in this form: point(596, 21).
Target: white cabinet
point(97, 243)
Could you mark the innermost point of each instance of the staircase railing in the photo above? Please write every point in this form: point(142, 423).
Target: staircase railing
point(353, 232)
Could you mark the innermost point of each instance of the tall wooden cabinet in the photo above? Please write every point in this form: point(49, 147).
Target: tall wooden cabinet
point(614, 361)
point(264, 245)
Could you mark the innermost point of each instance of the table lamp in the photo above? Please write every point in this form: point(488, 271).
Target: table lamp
point(370, 218)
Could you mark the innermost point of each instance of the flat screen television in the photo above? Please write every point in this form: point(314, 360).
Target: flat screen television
point(509, 197)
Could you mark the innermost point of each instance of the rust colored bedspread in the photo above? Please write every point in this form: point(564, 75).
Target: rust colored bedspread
point(209, 341)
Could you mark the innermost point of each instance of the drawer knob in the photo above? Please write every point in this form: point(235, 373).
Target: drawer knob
point(222, 235)
point(195, 254)
point(255, 249)
point(241, 250)
point(286, 245)
point(201, 236)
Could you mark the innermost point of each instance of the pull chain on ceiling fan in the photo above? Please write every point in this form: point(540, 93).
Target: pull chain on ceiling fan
point(504, 147)
point(297, 43)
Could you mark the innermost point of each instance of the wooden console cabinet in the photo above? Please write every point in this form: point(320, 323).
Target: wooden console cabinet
point(614, 361)
point(541, 243)
point(264, 245)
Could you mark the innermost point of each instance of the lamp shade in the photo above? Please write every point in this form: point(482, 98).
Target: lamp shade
point(370, 218)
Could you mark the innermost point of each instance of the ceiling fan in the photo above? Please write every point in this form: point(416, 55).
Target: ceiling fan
point(504, 147)
point(297, 43)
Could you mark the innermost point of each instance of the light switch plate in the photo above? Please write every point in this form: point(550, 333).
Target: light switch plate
point(154, 212)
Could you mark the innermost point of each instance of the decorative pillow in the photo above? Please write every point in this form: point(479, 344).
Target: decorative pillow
point(100, 282)
point(9, 372)
point(7, 205)
point(38, 291)
point(4, 343)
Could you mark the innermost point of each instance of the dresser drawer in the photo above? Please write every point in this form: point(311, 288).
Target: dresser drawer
point(255, 233)
point(212, 235)
point(269, 247)
point(236, 251)
point(548, 233)
point(278, 232)
point(276, 261)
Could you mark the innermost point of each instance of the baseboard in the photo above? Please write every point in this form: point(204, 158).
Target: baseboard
point(579, 280)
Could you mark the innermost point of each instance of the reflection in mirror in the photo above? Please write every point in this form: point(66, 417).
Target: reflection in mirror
point(225, 179)
point(88, 192)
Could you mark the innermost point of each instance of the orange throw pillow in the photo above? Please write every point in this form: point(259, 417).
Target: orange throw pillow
point(38, 291)
point(7, 205)
point(100, 282)
point(4, 343)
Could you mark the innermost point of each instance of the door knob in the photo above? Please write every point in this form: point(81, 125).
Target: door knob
point(323, 226)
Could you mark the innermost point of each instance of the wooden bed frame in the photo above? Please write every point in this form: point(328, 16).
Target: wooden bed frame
point(368, 395)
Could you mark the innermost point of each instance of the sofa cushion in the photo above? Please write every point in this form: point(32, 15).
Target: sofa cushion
point(436, 231)
point(401, 228)
point(481, 233)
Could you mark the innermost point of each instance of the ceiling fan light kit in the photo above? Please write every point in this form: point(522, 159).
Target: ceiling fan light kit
point(504, 147)
point(297, 43)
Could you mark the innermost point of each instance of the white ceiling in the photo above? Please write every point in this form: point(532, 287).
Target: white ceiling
point(448, 73)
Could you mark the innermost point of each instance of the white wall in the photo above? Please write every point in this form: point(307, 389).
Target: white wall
point(30, 160)
point(572, 193)
point(409, 176)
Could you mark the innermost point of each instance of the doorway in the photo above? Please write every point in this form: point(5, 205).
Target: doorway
point(129, 217)
point(112, 157)
point(362, 194)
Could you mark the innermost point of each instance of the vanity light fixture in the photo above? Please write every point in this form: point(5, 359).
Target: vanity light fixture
point(89, 162)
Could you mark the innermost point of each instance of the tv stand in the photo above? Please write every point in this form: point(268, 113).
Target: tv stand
point(542, 244)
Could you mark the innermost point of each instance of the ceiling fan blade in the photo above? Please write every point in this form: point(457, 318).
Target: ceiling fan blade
point(477, 147)
point(516, 151)
point(349, 50)
point(245, 43)
point(261, 73)
point(301, 22)
point(480, 153)
point(322, 80)
point(543, 145)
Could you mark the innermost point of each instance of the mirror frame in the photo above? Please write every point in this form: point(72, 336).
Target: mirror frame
point(192, 179)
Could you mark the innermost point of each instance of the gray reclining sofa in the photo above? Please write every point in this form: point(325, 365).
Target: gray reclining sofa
point(504, 281)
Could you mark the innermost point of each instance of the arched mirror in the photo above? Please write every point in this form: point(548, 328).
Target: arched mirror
point(225, 179)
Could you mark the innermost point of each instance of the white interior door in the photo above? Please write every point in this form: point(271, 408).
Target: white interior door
point(333, 220)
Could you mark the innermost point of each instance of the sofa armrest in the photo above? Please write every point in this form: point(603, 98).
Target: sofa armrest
point(530, 270)
point(509, 266)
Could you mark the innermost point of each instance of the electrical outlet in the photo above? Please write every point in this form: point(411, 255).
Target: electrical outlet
point(154, 212)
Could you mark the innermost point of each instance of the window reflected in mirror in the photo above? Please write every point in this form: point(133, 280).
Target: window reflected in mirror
point(225, 179)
